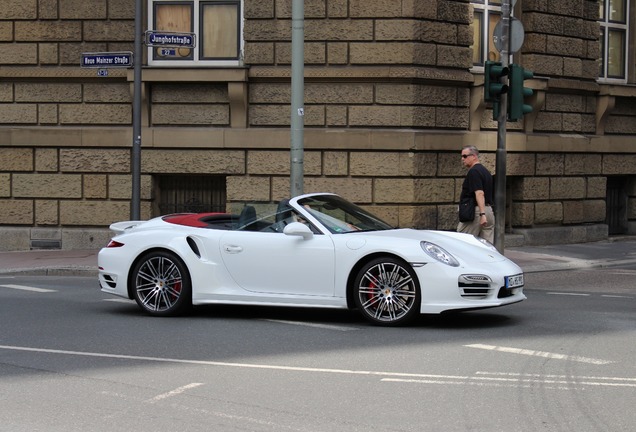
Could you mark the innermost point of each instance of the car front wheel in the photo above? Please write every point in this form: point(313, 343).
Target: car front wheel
point(387, 291)
point(161, 284)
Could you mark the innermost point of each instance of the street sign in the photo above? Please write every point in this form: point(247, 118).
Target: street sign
point(170, 39)
point(517, 35)
point(107, 60)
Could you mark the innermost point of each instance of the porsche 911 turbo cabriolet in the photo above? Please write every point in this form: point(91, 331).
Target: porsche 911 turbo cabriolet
point(315, 250)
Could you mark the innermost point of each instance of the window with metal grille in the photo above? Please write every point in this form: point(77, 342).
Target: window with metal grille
point(190, 194)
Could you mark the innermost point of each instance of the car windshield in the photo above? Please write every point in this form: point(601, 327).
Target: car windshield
point(340, 216)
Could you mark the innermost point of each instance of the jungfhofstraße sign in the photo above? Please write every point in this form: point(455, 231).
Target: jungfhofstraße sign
point(170, 39)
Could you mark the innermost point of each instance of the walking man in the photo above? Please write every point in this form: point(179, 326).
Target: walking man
point(478, 186)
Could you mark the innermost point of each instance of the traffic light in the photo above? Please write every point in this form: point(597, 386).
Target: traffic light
point(517, 92)
point(493, 88)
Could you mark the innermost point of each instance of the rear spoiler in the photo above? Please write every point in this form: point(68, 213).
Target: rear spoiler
point(121, 227)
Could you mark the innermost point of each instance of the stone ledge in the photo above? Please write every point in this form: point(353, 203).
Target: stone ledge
point(563, 234)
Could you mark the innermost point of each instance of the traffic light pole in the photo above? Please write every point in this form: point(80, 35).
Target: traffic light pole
point(500, 163)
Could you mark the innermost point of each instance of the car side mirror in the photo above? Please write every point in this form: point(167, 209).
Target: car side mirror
point(298, 229)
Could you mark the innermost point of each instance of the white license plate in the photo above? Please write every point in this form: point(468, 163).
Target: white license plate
point(515, 281)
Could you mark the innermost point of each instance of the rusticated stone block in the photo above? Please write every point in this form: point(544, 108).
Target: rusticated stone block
point(375, 9)
point(337, 9)
point(313, 9)
point(248, 188)
point(48, 92)
point(279, 115)
point(567, 188)
point(95, 186)
point(336, 115)
point(47, 185)
point(620, 125)
point(337, 53)
point(564, 102)
point(583, 164)
point(268, 30)
point(335, 163)
point(451, 56)
point(414, 190)
point(595, 210)
point(354, 189)
point(179, 114)
point(14, 54)
point(5, 185)
point(16, 159)
point(119, 114)
point(400, 29)
point(108, 93)
point(393, 53)
point(46, 212)
point(82, 9)
point(615, 164)
point(447, 217)
point(596, 187)
point(451, 118)
point(109, 31)
point(520, 164)
point(572, 67)
point(193, 161)
point(259, 9)
point(574, 212)
point(542, 64)
point(389, 164)
point(47, 9)
point(93, 212)
point(121, 9)
point(548, 122)
point(120, 187)
point(420, 9)
point(389, 214)
point(267, 162)
point(417, 217)
point(416, 94)
point(47, 114)
point(48, 53)
point(18, 10)
point(315, 53)
point(531, 189)
point(46, 159)
point(341, 93)
point(189, 93)
point(270, 93)
point(522, 214)
point(18, 113)
point(338, 30)
point(454, 11)
point(565, 46)
point(6, 92)
point(70, 53)
point(548, 212)
point(550, 164)
point(94, 160)
point(391, 116)
point(48, 31)
point(259, 53)
point(16, 212)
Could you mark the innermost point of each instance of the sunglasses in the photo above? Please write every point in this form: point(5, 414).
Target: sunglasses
point(464, 156)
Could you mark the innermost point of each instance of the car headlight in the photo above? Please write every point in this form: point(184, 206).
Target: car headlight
point(439, 254)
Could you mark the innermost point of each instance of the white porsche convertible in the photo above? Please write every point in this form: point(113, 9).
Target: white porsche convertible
point(315, 250)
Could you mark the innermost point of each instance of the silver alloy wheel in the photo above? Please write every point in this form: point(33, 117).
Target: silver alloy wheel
point(159, 284)
point(387, 292)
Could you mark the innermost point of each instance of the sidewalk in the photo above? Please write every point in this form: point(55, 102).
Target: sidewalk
point(531, 259)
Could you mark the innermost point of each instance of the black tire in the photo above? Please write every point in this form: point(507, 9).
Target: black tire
point(161, 284)
point(387, 292)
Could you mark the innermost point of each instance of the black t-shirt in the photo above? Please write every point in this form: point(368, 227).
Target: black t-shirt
point(478, 178)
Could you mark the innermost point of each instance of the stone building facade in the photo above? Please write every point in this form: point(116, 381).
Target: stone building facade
point(391, 96)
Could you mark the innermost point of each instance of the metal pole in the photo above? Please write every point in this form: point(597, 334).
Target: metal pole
point(500, 170)
point(135, 213)
point(297, 97)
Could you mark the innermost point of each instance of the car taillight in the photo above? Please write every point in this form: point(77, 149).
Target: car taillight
point(113, 244)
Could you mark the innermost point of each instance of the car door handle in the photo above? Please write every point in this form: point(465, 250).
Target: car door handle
point(232, 249)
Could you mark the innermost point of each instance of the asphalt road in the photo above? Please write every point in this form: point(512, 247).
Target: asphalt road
point(72, 358)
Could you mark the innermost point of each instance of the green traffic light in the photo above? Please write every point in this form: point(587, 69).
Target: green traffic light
point(493, 88)
point(517, 92)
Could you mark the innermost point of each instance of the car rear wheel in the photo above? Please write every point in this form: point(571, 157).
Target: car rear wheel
point(161, 283)
point(387, 291)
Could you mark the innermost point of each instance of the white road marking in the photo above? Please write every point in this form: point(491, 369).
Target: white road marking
point(27, 288)
point(315, 325)
point(175, 392)
point(569, 294)
point(616, 296)
point(540, 354)
point(518, 380)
